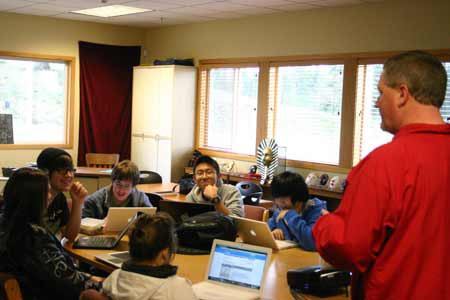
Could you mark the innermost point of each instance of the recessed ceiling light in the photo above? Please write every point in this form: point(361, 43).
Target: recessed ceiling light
point(111, 11)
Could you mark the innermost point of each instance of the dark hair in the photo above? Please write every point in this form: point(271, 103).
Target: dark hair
point(207, 160)
point(290, 184)
point(150, 235)
point(25, 198)
point(423, 73)
point(51, 159)
point(126, 170)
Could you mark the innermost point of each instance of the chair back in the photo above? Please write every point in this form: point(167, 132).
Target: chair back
point(149, 177)
point(251, 192)
point(155, 199)
point(10, 289)
point(257, 213)
point(102, 160)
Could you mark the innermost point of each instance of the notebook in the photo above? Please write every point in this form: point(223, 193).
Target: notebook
point(118, 217)
point(101, 241)
point(179, 210)
point(258, 233)
point(235, 271)
point(115, 259)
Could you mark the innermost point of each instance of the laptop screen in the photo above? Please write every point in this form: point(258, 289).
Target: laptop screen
point(237, 266)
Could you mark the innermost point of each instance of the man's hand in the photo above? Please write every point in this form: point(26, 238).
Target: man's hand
point(78, 192)
point(324, 212)
point(210, 192)
point(282, 214)
point(278, 234)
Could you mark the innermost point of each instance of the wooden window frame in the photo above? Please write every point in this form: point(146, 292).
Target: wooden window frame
point(70, 88)
point(349, 91)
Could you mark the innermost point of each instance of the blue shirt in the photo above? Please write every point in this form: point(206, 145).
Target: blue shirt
point(298, 227)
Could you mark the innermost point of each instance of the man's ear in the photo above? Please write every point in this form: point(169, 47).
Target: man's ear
point(403, 95)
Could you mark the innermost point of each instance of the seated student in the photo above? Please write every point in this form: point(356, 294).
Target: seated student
point(31, 252)
point(149, 274)
point(210, 188)
point(121, 193)
point(296, 215)
point(57, 217)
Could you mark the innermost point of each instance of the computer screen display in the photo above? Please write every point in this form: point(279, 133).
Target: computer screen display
point(237, 266)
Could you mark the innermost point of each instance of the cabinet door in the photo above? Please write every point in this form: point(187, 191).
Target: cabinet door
point(144, 153)
point(164, 159)
point(166, 77)
point(145, 106)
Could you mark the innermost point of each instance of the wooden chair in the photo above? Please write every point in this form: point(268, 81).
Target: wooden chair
point(102, 160)
point(10, 289)
point(257, 213)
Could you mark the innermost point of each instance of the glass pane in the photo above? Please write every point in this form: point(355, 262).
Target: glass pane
point(371, 135)
point(232, 109)
point(445, 109)
point(34, 92)
point(308, 112)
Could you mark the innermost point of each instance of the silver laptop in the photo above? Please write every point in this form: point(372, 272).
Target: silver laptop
point(118, 217)
point(258, 233)
point(235, 271)
point(115, 259)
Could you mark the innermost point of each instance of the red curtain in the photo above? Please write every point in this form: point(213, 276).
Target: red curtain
point(106, 74)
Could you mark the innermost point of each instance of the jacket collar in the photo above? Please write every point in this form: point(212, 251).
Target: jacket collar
point(158, 272)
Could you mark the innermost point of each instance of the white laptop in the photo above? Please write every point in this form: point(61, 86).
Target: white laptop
point(118, 217)
point(235, 271)
point(258, 233)
point(114, 258)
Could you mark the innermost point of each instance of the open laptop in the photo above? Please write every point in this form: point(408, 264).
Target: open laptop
point(118, 217)
point(115, 259)
point(235, 271)
point(179, 210)
point(258, 233)
point(101, 241)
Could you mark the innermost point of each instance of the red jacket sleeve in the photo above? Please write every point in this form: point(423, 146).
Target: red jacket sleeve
point(355, 233)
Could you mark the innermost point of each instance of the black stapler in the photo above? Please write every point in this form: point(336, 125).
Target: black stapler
point(318, 281)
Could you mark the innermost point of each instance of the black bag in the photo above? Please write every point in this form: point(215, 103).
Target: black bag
point(186, 184)
point(196, 234)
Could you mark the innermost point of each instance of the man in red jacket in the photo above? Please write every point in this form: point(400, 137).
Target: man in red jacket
point(392, 228)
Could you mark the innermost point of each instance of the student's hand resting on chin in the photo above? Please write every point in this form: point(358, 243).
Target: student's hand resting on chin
point(210, 192)
point(278, 234)
point(78, 192)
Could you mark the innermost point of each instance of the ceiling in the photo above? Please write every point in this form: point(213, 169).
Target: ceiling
point(168, 12)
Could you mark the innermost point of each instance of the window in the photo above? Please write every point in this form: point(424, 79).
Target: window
point(306, 102)
point(321, 108)
point(368, 132)
point(229, 100)
point(34, 92)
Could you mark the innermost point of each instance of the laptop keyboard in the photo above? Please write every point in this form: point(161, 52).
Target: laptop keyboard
point(99, 241)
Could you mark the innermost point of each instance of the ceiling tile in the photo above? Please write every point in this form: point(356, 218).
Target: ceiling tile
point(263, 3)
point(153, 4)
point(189, 2)
point(227, 15)
point(11, 4)
point(223, 6)
point(335, 2)
point(192, 10)
point(30, 10)
point(258, 11)
point(295, 7)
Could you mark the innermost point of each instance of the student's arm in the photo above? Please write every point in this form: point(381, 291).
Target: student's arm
point(48, 264)
point(231, 203)
point(77, 194)
point(300, 229)
point(352, 236)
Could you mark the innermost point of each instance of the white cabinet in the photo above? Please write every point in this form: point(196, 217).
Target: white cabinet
point(163, 119)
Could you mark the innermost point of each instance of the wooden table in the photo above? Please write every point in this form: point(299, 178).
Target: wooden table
point(160, 188)
point(194, 267)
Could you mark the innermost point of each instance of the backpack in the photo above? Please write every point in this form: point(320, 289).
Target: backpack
point(186, 184)
point(196, 234)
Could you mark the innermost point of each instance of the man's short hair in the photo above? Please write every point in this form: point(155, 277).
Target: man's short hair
point(207, 160)
point(290, 184)
point(150, 235)
point(126, 170)
point(423, 73)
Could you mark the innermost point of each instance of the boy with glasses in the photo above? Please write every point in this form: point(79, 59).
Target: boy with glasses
point(210, 188)
point(58, 165)
point(121, 193)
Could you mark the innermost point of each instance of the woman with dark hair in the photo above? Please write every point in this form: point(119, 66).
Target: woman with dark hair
point(28, 250)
